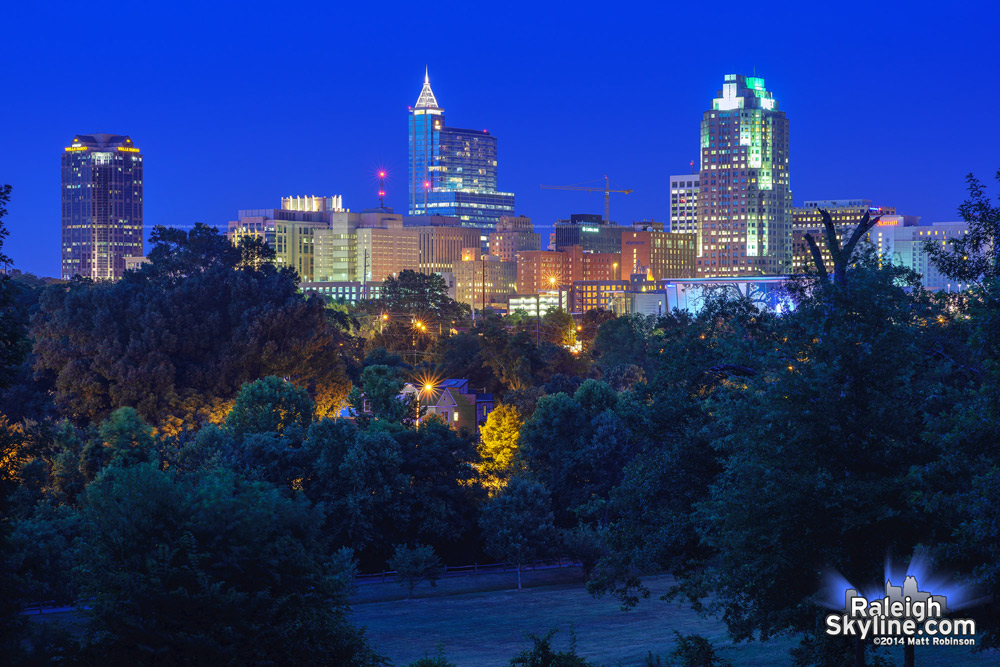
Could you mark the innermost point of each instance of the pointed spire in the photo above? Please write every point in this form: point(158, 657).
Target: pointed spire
point(426, 99)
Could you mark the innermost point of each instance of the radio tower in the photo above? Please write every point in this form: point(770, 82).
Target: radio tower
point(381, 188)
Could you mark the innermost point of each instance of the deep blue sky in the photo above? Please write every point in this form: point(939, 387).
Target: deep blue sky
point(236, 105)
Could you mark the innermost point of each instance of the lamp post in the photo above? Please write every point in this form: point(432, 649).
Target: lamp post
point(425, 387)
point(552, 283)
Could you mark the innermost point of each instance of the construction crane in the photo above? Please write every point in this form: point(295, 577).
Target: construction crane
point(606, 190)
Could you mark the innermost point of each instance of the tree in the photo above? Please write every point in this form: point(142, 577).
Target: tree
point(517, 523)
point(841, 255)
point(623, 340)
point(541, 654)
point(577, 446)
point(13, 330)
point(127, 438)
point(624, 377)
point(498, 444)
point(414, 565)
point(440, 495)
point(420, 293)
point(177, 339)
point(973, 258)
point(380, 397)
point(559, 326)
point(217, 570)
point(784, 456)
point(11, 595)
point(696, 651)
point(269, 405)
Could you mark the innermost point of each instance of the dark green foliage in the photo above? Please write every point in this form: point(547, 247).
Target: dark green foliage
point(973, 257)
point(13, 316)
point(577, 446)
point(437, 661)
point(178, 338)
point(623, 340)
point(624, 377)
point(414, 565)
point(377, 396)
point(821, 650)
point(541, 654)
point(12, 591)
point(695, 651)
point(420, 294)
point(440, 495)
point(269, 405)
point(517, 524)
point(216, 570)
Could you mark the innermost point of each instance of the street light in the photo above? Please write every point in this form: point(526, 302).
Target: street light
point(552, 283)
point(428, 387)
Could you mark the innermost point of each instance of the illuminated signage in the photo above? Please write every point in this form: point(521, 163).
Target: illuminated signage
point(589, 229)
point(72, 149)
point(126, 149)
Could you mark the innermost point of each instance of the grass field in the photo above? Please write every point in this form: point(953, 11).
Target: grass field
point(484, 621)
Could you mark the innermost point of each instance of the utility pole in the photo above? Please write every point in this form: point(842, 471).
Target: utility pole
point(364, 277)
point(484, 289)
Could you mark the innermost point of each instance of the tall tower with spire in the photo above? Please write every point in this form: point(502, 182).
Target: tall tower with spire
point(452, 171)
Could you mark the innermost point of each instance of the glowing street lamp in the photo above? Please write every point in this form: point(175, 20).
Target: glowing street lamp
point(427, 387)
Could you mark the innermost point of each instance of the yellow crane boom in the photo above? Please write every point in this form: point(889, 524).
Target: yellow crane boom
point(606, 190)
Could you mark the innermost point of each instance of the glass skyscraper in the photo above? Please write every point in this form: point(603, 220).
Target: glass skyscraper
point(453, 171)
point(101, 206)
point(744, 197)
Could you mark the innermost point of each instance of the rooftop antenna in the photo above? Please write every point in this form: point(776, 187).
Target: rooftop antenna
point(381, 188)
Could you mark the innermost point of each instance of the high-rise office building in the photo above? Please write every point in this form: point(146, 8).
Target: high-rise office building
point(684, 204)
point(453, 171)
point(101, 206)
point(744, 195)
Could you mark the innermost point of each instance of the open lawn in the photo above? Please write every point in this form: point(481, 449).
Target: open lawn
point(484, 621)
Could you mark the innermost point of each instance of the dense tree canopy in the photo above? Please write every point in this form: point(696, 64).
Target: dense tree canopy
point(176, 339)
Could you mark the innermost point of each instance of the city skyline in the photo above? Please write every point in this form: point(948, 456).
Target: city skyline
point(226, 133)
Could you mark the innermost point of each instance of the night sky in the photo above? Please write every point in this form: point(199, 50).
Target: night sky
point(236, 105)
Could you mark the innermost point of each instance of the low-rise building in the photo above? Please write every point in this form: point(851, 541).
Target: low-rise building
point(454, 402)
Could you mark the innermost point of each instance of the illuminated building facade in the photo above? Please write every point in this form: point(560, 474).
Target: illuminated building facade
point(101, 206)
point(343, 291)
point(291, 231)
point(441, 247)
point(383, 252)
point(513, 234)
point(477, 275)
point(539, 270)
point(684, 204)
point(594, 294)
point(846, 215)
point(657, 253)
point(906, 245)
point(744, 196)
point(536, 305)
point(453, 171)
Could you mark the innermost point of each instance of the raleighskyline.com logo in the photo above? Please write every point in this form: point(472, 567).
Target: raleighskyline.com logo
point(905, 616)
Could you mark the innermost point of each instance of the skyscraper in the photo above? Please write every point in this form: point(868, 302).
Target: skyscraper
point(453, 171)
point(684, 203)
point(744, 196)
point(101, 206)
